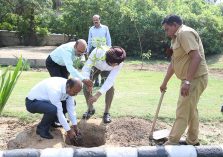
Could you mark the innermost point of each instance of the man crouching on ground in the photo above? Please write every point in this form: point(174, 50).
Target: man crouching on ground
point(46, 97)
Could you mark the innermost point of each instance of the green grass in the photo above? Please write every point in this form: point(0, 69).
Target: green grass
point(136, 94)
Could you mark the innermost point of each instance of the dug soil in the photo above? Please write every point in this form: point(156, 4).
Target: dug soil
point(126, 131)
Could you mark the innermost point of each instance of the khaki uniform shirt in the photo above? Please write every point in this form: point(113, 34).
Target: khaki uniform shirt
point(187, 39)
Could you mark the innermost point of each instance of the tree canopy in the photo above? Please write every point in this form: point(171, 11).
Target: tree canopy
point(131, 22)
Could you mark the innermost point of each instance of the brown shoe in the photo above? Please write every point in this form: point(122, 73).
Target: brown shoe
point(183, 142)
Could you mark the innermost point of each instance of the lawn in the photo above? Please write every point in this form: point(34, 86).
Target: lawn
point(136, 94)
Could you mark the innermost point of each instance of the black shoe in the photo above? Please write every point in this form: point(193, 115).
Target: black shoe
point(183, 142)
point(107, 118)
point(44, 134)
point(88, 114)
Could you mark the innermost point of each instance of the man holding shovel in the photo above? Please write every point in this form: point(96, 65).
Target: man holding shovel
point(189, 65)
point(46, 97)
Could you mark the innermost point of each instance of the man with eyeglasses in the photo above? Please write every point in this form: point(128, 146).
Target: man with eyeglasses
point(107, 62)
point(59, 63)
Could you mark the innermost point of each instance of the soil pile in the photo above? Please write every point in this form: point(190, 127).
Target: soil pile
point(125, 131)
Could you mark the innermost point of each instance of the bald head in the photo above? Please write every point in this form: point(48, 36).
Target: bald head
point(73, 86)
point(96, 16)
point(96, 20)
point(80, 46)
point(82, 42)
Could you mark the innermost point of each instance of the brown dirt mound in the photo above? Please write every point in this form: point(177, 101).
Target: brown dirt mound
point(121, 132)
point(125, 131)
point(130, 132)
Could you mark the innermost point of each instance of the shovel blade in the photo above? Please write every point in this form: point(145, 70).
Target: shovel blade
point(157, 135)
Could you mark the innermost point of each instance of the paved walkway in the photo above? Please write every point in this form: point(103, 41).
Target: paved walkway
point(35, 55)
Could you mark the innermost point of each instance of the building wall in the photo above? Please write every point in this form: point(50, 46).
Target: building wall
point(10, 38)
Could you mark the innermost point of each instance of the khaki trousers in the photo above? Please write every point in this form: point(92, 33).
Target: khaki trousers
point(109, 94)
point(187, 113)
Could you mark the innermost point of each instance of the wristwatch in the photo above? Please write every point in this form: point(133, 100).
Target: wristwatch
point(187, 82)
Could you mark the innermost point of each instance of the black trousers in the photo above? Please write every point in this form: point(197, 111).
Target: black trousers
point(57, 70)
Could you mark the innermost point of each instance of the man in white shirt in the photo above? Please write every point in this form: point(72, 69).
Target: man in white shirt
point(108, 62)
point(46, 97)
point(60, 64)
point(99, 35)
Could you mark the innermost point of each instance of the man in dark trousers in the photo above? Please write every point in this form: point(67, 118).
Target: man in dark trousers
point(60, 64)
point(46, 97)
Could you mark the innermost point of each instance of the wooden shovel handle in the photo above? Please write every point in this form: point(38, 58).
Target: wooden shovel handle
point(157, 112)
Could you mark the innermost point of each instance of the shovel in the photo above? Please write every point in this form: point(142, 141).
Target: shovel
point(157, 135)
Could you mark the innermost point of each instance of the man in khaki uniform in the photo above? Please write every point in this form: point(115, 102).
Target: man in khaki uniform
point(189, 65)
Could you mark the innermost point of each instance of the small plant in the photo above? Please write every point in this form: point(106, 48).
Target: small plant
point(8, 80)
point(145, 56)
point(26, 64)
point(99, 41)
point(78, 63)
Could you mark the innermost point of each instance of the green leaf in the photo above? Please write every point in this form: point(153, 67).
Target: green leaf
point(8, 81)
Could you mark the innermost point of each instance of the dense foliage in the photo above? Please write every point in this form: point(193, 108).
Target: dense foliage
point(131, 22)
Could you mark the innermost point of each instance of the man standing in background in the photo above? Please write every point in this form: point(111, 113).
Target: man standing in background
point(98, 36)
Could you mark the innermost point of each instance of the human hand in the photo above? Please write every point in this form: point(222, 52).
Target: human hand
point(185, 89)
point(71, 134)
point(92, 99)
point(89, 84)
point(70, 137)
point(76, 129)
point(163, 87)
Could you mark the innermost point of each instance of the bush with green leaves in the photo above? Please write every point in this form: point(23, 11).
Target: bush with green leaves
point(6, 26)
point(8, 80)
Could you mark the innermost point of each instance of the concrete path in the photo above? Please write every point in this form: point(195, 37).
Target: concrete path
point(35, 55)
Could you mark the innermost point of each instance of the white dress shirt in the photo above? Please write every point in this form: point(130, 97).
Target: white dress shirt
point(53, 89)
point(97, 59)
